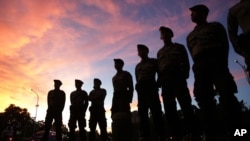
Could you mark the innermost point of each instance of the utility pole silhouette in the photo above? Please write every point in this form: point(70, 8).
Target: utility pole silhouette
point(37, 100)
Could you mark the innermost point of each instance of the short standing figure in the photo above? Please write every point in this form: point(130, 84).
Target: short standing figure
point(56, 101)
point(97, 111)
point(78, 107)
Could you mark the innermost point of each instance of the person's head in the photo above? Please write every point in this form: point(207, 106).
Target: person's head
point(78, 84)
point(119, 63)
point(166, 33)
point(57, 84)
point(142, 51)
point(97, 83)
point(199, 13)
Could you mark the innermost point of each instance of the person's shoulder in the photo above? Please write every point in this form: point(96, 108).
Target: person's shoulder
point(73, 92)
point(51, 91)
point(92, 91)
point(237, 6)
point(62, 91)
point(126, 73)
point(152, 59)
point(215, 24)
point(178, 45)
point(138, 64)
point(84, 92)
point(102, 89)
point(191, 33)
point(162, 48)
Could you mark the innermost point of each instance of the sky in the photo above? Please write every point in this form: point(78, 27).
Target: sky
point(43, 40)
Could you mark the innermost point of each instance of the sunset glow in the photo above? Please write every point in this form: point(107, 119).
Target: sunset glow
point(42, 40)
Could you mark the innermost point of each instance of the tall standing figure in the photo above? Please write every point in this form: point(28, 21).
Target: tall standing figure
point(209, 47)
point(122, 97)
point(56, 101)
point(78, 107)
point(173, 65)
point(148, 97)
point(239, 18)
point(97, 111)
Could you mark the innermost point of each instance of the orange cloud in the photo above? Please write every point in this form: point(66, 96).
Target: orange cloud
point(46, 40)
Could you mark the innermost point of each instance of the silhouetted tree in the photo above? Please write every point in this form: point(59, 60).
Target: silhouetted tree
point(17, 121)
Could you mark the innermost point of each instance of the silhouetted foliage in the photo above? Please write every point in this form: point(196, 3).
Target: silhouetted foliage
point(16, 122)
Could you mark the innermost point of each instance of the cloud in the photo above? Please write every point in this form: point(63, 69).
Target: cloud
point(45, 40)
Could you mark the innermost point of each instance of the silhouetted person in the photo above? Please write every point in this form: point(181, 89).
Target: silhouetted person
point(97, 111)
point(123, 89)
point(56, 101)
point(122, 97)
point(148, 97)
point(173, 65)
point(78, 107)
point(208, 46)
point(239, 18)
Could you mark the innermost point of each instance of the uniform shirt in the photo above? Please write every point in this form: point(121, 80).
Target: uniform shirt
point(56, 99)
point(146, 70)
point(97, 97)
point(79, 98)
point(209, 42)
point(238, 16)
point(173, 57)
point(122, 81)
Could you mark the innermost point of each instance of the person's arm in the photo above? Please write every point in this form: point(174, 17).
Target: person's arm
point(62, 104)
point(48, 99)
point(185, 64)
point(130, 87)
point(86, 102)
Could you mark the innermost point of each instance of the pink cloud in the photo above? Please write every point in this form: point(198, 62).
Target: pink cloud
point(44, 40)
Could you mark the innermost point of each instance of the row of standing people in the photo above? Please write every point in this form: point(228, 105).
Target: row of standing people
point(209, 47)
point(79, 104)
